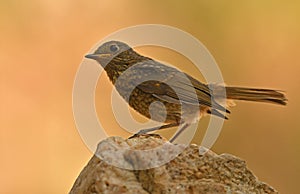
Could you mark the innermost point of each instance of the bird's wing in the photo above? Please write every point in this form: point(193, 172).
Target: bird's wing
point(171, 85)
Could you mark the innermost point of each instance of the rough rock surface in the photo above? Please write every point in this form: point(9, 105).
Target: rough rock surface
point(194, 170)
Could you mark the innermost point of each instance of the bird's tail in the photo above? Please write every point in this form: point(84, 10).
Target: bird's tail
point(256, 95)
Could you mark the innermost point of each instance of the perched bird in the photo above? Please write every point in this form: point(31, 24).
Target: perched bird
point(141, 81)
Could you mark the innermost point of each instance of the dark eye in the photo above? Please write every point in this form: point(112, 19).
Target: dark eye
point(113, 48)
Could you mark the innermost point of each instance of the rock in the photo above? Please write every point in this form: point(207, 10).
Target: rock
point(150, 164)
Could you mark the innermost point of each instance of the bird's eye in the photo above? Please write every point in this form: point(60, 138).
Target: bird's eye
point(113, 48)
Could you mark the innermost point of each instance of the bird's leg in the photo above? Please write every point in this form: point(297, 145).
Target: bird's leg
point(183, 127)
point(144, 131)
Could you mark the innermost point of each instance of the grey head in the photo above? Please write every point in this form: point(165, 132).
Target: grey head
point(109, 50)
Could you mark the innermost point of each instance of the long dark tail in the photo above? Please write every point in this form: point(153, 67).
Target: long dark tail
point(256, 95)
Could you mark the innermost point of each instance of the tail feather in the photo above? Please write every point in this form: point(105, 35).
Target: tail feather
point(256, 94)
point(217, 113)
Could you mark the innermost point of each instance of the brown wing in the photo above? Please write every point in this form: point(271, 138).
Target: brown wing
point(170, 84)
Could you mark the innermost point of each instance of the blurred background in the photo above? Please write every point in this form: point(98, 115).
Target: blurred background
point(255, 43)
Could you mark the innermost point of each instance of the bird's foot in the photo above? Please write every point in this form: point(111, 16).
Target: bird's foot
point(145, 131)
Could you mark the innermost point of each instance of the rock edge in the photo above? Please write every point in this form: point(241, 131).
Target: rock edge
point(190, 172)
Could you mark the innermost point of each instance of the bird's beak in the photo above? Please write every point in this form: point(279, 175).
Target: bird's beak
point(92, 56)
point(97, 56)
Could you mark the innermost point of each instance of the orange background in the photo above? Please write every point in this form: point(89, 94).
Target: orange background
point(256, 43)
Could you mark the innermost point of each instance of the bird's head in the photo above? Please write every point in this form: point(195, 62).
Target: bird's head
point(108, 51)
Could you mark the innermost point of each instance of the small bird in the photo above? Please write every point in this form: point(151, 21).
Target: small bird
point(141, 81)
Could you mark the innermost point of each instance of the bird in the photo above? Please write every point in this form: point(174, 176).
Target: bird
point(141, 81)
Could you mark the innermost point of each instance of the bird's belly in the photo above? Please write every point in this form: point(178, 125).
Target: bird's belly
point(159, 110)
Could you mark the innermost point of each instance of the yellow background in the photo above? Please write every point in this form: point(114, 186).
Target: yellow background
point(255, 43)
